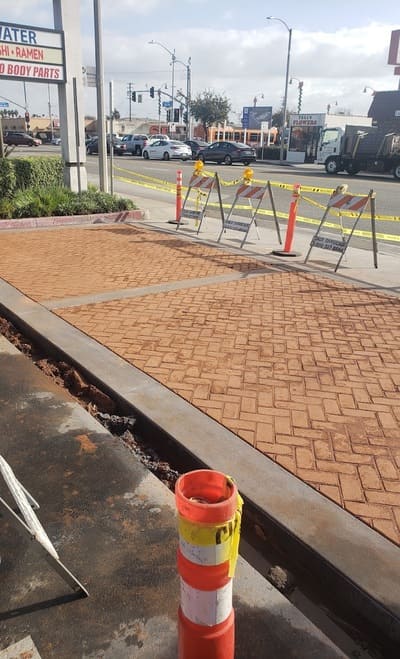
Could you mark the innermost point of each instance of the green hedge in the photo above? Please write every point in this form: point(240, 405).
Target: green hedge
point(8, 180)
point(21, 173)
point(55, 201)
point(38, 172)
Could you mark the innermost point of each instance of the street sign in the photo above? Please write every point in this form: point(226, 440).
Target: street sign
point(265, 126)
point(167, 104)
point(89, 76)
point(4, 104)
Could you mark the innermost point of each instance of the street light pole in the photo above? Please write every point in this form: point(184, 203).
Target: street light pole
point(175, 60)
point(51, 121)
point(101, 132)
point(274, 18)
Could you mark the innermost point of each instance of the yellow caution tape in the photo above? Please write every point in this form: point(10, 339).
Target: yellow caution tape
point(225, 535)
point(167, 186)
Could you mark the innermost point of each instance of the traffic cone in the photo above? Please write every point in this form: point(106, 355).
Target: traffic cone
point(209, 508)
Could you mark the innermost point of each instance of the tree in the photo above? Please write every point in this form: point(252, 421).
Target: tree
point(210, 108)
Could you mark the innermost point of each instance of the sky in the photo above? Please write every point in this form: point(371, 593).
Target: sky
point(338, 49)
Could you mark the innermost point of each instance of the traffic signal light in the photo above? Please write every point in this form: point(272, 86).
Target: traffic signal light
point(176, 115)
point(168, 116)
point(134, 96)
point(27, 117)
point(151, 92)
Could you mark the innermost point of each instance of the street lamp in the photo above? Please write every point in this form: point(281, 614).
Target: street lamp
point(175, 60)
point(372, 90)
point(256, 97)
point(188, 94)
point(289, 29)
point(300, 91)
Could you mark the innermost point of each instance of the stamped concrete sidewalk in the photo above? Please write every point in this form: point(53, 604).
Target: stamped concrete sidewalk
point(304, 367)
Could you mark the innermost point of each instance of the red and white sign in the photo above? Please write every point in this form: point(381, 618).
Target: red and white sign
point(30, 53)
point(394, 48)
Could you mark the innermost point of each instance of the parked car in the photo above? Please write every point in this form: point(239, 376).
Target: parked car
point(166, 149)
point(89, 138)
point(56, 141)
point(119, 147)
point(135, 144)
point(154, 138)
point(16, 138)
point(196, 146)
point(227, 153)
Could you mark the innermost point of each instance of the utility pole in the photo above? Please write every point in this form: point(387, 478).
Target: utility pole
point(130, 100)
point(1, 139)
point(100, 97)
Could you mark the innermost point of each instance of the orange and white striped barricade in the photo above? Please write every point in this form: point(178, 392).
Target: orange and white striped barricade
point(242, 223)
point(203, 186)
point(209, 509)
point(342, 201)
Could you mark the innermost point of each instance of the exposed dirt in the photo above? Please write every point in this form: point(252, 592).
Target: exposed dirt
point(95, 401)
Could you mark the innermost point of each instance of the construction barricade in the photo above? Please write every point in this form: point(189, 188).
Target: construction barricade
point(209, 508)
point(28, 523)
point(201, 186)
point(341, 200)
point(242, 223)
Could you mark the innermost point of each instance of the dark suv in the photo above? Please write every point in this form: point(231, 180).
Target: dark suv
point(227, 153)
point(119, 147)
point(16, 138)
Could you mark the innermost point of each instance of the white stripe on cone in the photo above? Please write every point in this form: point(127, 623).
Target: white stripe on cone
point(206, 607)
point(206, 554)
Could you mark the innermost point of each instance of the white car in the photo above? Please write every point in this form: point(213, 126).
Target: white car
point(167, 149)
point(154, 138)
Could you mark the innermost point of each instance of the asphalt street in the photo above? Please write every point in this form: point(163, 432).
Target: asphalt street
point(386, 187)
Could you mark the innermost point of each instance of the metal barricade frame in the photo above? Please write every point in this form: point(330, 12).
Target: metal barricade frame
point(201, 182)
point(31, 526)
point(248, 191)
point(340, 199)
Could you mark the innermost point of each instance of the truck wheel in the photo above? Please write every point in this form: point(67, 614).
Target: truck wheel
point(396, 171)
point(352, 168)
point(331, 166)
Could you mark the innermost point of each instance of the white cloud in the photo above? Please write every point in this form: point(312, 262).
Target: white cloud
point(335, 66)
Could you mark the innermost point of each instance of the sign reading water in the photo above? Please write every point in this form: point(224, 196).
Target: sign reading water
point(30, 53)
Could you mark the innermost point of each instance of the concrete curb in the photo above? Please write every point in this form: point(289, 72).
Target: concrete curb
point(355, 563)
point(70, 220)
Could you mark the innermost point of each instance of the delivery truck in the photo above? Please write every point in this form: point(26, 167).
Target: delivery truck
point(360, 148)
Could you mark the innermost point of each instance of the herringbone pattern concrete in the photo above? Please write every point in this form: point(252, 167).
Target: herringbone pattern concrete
point(305, 368)
point(79, 261)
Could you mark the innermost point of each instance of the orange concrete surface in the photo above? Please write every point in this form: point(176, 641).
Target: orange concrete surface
point(79, 261)
point(305, 368)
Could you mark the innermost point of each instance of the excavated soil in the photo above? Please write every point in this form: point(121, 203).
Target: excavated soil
point(95, 401)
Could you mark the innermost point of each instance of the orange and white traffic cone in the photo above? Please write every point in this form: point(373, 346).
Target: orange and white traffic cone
point(209, 508)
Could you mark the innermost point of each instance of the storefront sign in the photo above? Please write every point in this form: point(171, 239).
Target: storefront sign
point(30, 53)
point(307, 119)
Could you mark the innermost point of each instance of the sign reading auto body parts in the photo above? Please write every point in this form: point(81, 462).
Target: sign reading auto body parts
point(30, 53)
